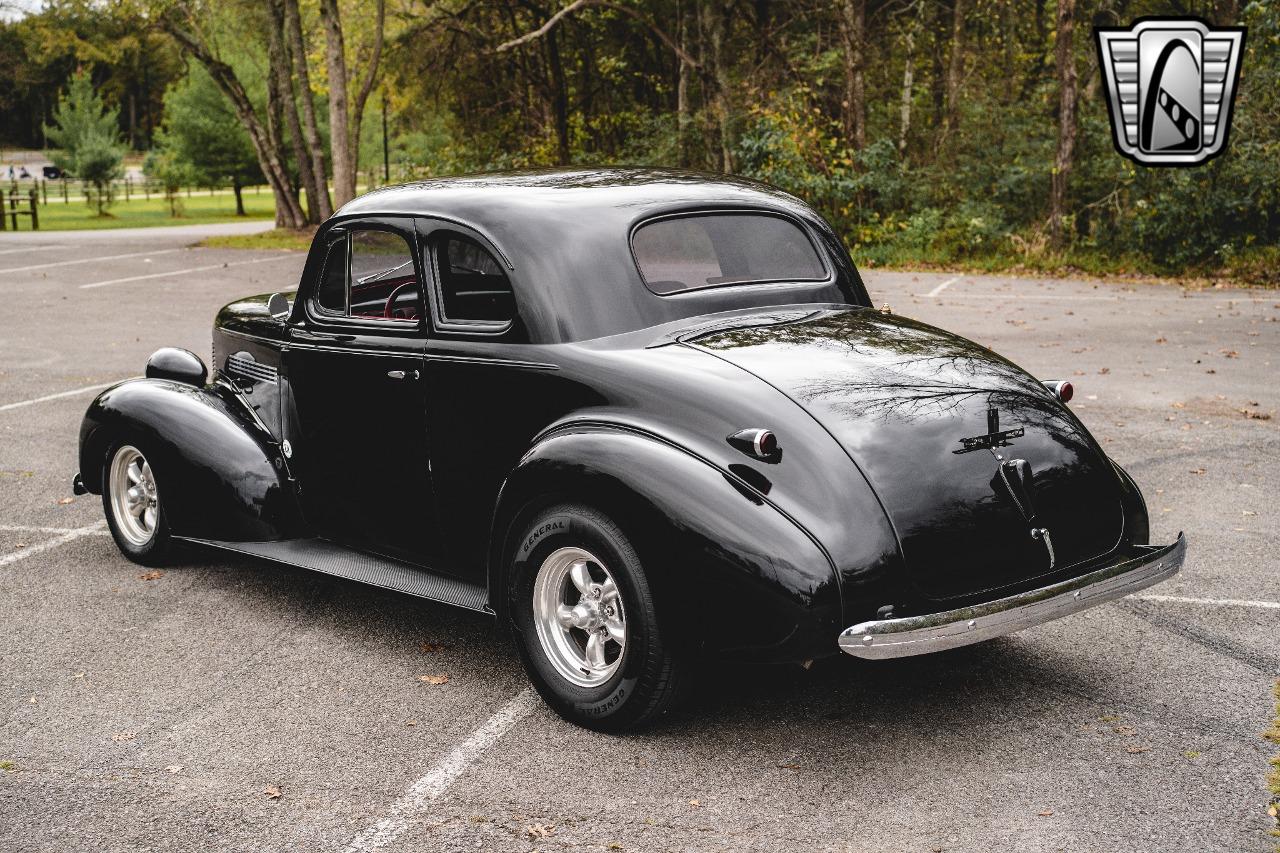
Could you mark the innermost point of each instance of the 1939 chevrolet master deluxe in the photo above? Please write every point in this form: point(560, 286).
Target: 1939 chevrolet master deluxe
point(640, 416)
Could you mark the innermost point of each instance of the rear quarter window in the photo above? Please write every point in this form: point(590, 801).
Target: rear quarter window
point(680, 253)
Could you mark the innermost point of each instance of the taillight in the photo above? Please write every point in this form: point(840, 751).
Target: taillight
point(760, 443)
point(1062, 388)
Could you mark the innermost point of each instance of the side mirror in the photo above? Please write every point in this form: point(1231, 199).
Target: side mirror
point(278, 306)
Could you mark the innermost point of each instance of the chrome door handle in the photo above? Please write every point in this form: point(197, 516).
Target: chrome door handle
point(402, 374)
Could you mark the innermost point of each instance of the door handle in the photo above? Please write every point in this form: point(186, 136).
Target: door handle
point(402, 374)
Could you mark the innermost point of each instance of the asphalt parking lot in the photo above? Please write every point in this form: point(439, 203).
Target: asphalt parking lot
point(223, 704)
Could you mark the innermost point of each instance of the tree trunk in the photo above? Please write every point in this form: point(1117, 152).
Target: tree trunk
point(955, 66)
point(559, 101)
point(715, 80)
point(853, 26)
point(281, 62)
point(235, 185)
point(344, 176)
point(908, 82)
point(322, 208)
point(1066, 117)
point(280, 100)
point(288, 211)
point(682, 91)
point(367, 84)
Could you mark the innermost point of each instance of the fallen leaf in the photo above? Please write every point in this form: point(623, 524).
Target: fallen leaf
point(65, 501)
point(272, 792)
point(540, 830)
point(1134, 750)
point(174, 768)
point(19, 544)
point(695, 803)
point(124, 736)
point(79, 675)
point(154, 574)
point(1104, 370)
point(434, 679)
point(1197, 470)
point(411, 722)
point(1125, 730)
point(1162, 340)
point(1046, 813)
point(1229, 353)
point(429, 648)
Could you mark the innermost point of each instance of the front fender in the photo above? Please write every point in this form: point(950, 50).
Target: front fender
point(219, 477)
point(740, 577)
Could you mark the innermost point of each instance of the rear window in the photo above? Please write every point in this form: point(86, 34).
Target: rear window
point(713, 250)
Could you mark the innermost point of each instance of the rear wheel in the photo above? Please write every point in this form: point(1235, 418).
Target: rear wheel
point(131, 500)
point(586, 623)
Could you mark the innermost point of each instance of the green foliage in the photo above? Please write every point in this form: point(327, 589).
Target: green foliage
point(202, 141)
point(85, 132)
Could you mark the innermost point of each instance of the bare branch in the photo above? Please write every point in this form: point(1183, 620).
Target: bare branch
point(577, 5)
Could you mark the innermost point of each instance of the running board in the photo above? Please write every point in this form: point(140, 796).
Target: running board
point(320, 555)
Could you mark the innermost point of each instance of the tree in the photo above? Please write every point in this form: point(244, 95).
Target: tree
point(202, 133)
point(190, 23)
point(163, 165)
point(88, 136)
point(1063, 161)
point(346, 114)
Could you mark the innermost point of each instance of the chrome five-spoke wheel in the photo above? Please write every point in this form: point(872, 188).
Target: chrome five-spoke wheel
point(135, 502)
point(579, 618)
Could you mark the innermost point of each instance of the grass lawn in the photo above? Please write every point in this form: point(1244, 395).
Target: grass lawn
point(276, 238)
point(140, 212)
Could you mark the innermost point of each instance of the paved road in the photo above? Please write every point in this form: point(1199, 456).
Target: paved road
point(154, 714)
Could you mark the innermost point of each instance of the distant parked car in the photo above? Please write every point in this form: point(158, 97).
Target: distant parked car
point(53, 173)
point(640, 417)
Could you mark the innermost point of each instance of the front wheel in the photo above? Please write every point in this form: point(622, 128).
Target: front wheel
point(131, 500)
point(586, 624)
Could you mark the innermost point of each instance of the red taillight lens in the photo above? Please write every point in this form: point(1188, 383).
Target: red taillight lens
point(1061, 388)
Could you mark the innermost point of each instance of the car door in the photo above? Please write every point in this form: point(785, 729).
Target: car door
point(356, 395)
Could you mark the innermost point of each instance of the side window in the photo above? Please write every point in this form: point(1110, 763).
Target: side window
point(369, 275)
point(383, 284)
point(473, 286)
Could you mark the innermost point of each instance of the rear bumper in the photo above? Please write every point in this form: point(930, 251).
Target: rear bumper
point(933, 632)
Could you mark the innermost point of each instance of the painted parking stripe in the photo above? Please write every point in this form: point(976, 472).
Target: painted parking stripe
point(69, 536)
point(32, 528)
point(943, 286)
point(428, 789)
point(87, 260)
point(206, 268)
point(72, 393)
point(1210, 602)
point(32, 249)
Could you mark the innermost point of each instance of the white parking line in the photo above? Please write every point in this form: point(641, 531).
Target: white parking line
point(1212, 602)
point(85, 390)
point(88, 260)
point(289, 257)
point(69, 536)
point(32, 249)
point(29, 528)
point(943, 286)
point(429, 788)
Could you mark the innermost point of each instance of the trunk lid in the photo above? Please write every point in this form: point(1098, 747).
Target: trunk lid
point(969, 454)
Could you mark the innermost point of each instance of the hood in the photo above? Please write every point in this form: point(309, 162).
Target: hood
point(988, 480)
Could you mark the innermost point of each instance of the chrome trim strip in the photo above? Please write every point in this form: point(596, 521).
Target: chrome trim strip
point(917, 635)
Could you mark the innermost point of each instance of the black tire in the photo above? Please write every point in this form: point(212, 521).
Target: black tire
point(648, 678)
point(157, 548)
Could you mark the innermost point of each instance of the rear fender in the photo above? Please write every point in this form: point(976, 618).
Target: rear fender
point(737, 576)
point(220, 475)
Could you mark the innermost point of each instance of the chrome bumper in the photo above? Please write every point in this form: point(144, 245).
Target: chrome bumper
point(933, 632)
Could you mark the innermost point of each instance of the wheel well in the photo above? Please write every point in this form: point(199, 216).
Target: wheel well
point(629, 511)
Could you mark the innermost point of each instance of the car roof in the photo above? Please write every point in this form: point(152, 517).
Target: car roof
point(565, 235)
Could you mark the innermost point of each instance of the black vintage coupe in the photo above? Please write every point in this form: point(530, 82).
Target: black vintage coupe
point(644, 418)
